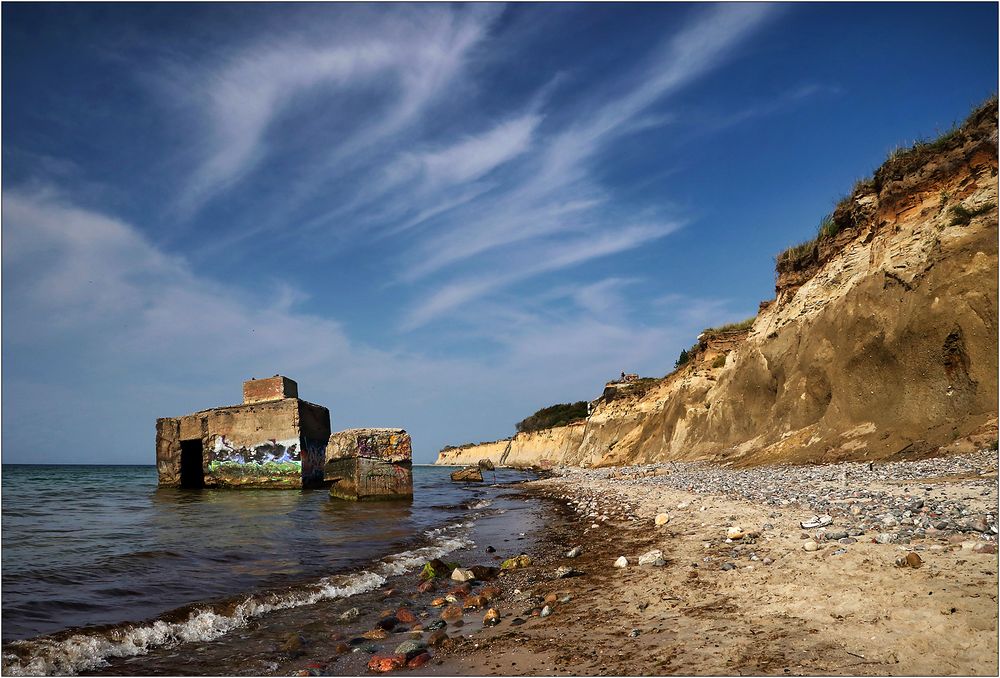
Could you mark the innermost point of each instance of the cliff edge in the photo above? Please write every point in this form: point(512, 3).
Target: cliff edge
point(881, 341)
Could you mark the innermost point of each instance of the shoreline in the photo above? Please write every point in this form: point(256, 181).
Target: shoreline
point(760, 604)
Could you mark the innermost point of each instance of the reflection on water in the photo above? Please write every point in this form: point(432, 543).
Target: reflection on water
point(102, 544)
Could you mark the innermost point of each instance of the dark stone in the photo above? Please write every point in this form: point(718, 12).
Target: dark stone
point(387, 623)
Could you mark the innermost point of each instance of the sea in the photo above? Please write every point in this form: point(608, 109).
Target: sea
point(100, 566)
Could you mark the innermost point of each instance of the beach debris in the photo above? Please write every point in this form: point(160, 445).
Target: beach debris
point(574, 552)
point(654, 558)
point(810, 545)
point(350, 614)
point(621, 562)
point(458, 574)
point(522, 560)
point(492, 617)
point(385, 663)
point(816, 521)
point(661, 519)
point(470, 474)
point(911, 559)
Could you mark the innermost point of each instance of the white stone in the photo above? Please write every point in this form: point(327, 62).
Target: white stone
point(621, 562)
point(458, 574)
point(734, 532)
point(661, 519)
point(683, 505)
point(654, 558)
point(810, 545)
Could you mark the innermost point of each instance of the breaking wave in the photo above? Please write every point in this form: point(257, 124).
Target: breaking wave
point(70, 652)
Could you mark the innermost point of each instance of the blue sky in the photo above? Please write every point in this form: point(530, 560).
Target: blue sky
point(439, 217)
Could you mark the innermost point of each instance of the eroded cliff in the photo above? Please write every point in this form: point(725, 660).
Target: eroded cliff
point(881, 341)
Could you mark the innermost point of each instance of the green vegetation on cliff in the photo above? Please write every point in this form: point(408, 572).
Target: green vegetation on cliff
point(554, 415)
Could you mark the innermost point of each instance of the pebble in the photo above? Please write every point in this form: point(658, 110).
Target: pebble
point(350, 614)
point(546, 611)
point(385, 663)
point(621, 562)
point(419, 660)
point(728, 566)
point(661, 519)
point(810, 545)
point(410, 648)
point(734, 533)
point(563, 571)
point(436, 625)
point(634, 633)
point(451, 613)
point(492, 617)
point(574, 552)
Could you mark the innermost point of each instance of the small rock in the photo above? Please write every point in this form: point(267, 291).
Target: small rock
point(516, 621)
point(985, 547)
point(451, 613)
point(634, 633)
point(436, 625)
point(546, 611)
point(654, 558)
point(913, 560)
point(419, 660)
point(767, 561)
point(458, 574)
point(734, 533)
point(563, 572)
point(621, 562)
point(728, 566)
point(436, 638)
point(405, 616)
point(385, 663)
point(492, 617)
point(515, 563)
point(350, 614)
point(810, 546)
point(661, 519)
point(574, 552)
point(410, 648)
point(294, 645)
point(375, 634)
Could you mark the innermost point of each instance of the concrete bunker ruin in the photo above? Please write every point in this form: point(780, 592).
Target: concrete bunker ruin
point(370, 463)
point(272, 440)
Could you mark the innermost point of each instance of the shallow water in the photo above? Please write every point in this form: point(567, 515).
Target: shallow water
point(102, 545)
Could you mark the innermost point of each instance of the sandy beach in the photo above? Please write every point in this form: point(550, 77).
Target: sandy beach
point(762, 603)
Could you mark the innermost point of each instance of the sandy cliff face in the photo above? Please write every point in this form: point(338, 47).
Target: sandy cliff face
point(559, 446)
point(881, 341)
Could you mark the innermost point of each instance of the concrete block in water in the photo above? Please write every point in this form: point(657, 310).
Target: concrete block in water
point(369, 463)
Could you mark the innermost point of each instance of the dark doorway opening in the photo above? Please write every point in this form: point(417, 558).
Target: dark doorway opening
point(192, 464)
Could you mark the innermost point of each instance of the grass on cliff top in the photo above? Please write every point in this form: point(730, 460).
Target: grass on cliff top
point(731, 327)
point(900, 161)
point(554, 415)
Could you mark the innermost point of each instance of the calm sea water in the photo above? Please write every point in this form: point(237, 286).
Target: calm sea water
point(99, 545)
